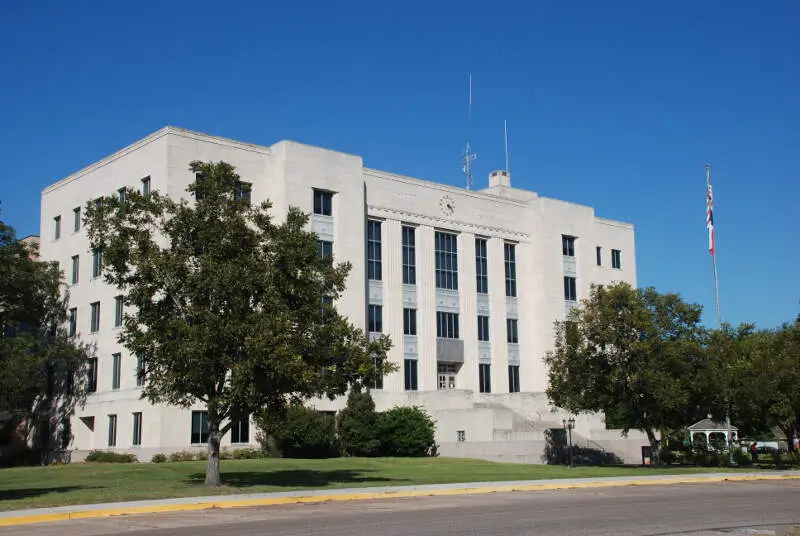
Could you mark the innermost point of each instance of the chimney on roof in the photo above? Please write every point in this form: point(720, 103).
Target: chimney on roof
point(501, 177)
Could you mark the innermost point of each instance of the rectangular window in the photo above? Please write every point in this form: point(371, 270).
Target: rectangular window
point(446, 251)
point(56, 227)
point(446, 325)
point(72, 322)
point(375, 319)
point(323, 202)
point(599, 256)
point(116, 369)
point(410, 373)
point(485, 378)
point(118, 311)
point(97, 262)
point(616, 258)
point(140, 372)
point(325, 248)
point(91, 375)
point(199, 428)
point(94, 322)
point(243, 192)
point(76, 219)
point(481, 266)
point(76, 262)
point(240, 431)
point(374, 268)
point(146, 186)
point(512, 333)
point(409, 256)
point(137, 428)
point(112, 430)
point(510, 257)
point(570, 289)
point(409, 321)
point(513, 378)
point(377, 379)
point(568, 245)
point(483, 328)
point(123, 195)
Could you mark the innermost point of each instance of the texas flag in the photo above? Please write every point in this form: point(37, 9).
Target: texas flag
point(710, 218)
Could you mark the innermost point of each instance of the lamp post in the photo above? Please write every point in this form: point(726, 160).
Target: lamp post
point(569, 424)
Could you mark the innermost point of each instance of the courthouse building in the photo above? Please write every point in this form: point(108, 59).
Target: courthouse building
point(467, 283)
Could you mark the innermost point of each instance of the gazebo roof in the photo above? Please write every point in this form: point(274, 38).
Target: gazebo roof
point(710, 425)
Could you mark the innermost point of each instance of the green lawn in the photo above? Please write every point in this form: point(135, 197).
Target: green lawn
point(83, 483)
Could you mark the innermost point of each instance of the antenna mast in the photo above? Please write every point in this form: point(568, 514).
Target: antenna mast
point(469, 156)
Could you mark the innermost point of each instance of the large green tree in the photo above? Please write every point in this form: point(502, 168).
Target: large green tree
point(226, 306)
point(634, 354)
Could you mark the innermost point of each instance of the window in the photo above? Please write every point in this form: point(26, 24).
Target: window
point(76, 261)
point(616, 258)
point(599, 256)
point(377, 378)
point(409, 321)
point(568, 245)
point(123, 195)
point(374, 250)
point(410, 372)
point(137, 428)
point(240, 431)
point(485, 378)
point(140, 371)
point(72, 322)
point(323, 202)
point(375, 319)
point(446, 250)
point(91, 375)
point(481, 266)
point(243, 192)
point(510, 256)
point(570, 290)
point(512, 333)
point(146, 186)
point(112, 430)
point(97, 262)
point(513, 378)
point(118, 312)
point(409, 256)
point(76, 219)
point(199, 427)
point(116, 368)
point(56, 227)
point(325, 248)
point(483, 328)
point(94, 325)
point(446, 325)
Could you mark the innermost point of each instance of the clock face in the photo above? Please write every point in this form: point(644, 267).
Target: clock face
point(447, 205)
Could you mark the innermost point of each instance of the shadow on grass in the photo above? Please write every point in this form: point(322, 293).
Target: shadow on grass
point(294, 478)
point(19, 494)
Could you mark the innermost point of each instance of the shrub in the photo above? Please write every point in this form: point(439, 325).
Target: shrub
point(406, 431)
point(358, 433)
point(100, 456)
point(158, 458)
point(302, 433)
point(182, 456)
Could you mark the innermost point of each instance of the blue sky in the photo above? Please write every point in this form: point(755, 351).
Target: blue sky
point(618, 105)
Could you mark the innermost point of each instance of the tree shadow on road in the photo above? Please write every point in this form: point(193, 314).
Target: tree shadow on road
point(295, 478)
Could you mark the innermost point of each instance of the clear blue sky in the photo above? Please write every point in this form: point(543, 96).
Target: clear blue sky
point(617, 105)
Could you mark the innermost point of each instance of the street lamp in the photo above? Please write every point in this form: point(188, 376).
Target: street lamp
point(569, 424)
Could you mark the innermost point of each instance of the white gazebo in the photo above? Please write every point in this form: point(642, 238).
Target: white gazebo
point(709, 431)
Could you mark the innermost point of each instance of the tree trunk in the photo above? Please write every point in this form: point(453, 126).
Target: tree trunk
point(214, 436)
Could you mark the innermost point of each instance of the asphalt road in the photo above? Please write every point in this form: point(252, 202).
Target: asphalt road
point(694, 509)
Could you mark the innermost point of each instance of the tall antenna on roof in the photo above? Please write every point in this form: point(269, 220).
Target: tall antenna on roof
point(469, 156)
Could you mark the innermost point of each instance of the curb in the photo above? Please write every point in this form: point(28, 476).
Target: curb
point(465, 489)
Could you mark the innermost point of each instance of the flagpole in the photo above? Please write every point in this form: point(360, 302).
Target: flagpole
point(719, 314)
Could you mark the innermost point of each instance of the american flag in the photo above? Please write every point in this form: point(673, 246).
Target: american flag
point(710, 218)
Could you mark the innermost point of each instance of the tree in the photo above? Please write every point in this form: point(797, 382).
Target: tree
point(226, 306)
point(632, 353)
point(357, 425)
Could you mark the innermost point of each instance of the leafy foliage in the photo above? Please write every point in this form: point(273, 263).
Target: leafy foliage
point(406, 431)
point(302, 432)
point(357, 425)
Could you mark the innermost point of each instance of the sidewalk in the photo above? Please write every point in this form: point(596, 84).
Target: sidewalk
point(64, 513)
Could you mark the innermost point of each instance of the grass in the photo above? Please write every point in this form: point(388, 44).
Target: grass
point(86, 483)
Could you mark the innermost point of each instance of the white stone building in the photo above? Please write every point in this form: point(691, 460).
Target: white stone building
point(466, 283)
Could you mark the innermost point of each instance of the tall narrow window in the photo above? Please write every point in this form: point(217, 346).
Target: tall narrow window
point(616, 258)
point(325, 248)
point(76, 219)
point(485, 378)
point(410, 373)
point(240, 430)
point(570, 289)
point(76, 264)
point(56, 227)
point(568, 245)
point(512, 333)
point(91, 375)
point(375, 319)
point(97, 262)
point(446, 251)
point(137, 428)
point(116, 369)
point(513, 378)
point(409, 321)
point(446, 325)
point(72, 322)
point(323, 202)
point(243, 192)
point(409, 256)
point(118, 311)
point(112, 430)
point(481, 266)
point(199, 428)
point(94, 321)
point(140, 372)
point(599, 256)
point(374, 267)
point(483, 328)
point(510, 256)
point(146, 186)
